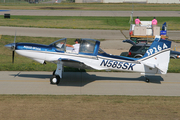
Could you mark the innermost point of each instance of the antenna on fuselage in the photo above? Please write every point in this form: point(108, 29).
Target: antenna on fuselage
point(131, 16)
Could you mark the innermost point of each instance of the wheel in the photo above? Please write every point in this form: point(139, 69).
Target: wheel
point(147, 80)
point(54, 72)
point(55, 79)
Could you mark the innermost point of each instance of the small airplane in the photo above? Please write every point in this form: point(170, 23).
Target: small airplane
point(91, 56)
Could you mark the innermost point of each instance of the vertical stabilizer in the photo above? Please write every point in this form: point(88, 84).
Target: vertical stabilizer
point(158, 55)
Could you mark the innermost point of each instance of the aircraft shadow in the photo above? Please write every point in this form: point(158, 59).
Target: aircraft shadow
point(40, 76)
point(83, 78)
point(88, 78)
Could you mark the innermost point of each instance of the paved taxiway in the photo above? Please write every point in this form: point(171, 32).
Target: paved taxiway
point(90, 83)
point(92, 13)
point(74, 33)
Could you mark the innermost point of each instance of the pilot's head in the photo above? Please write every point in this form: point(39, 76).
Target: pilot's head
point(77, 40)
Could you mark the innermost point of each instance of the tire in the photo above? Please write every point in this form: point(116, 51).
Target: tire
point(147, 80)
point(55, 80)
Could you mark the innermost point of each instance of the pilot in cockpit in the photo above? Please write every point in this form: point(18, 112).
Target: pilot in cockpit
point(75, 46)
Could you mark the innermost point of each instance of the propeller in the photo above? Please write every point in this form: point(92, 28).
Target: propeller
point(13, 48)
point(13, 56)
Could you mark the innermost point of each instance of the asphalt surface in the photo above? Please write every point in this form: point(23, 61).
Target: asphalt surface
point(91, 13)
point(67, 33)
point(90, 83)
point(74, 33)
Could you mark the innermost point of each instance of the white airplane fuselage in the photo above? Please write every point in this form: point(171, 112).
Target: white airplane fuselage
point(96, 62)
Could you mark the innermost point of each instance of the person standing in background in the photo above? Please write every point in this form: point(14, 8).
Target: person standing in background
point(154, 22)
point(137, 21)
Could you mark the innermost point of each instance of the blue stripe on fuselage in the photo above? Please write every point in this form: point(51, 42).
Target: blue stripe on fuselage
point(118, 57)
point(36, 47)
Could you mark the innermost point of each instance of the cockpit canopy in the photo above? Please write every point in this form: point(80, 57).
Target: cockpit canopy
point(87, 47)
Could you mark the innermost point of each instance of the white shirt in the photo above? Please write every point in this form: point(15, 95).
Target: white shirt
point(76, 48)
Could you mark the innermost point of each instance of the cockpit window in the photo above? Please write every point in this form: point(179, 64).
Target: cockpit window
point(87, 46)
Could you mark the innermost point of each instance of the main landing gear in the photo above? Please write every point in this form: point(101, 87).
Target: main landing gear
point(57, 74)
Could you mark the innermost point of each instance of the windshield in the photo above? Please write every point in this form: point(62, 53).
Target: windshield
point(59, 44)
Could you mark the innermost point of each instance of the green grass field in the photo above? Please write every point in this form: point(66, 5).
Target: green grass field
point(69, 22)
point(26, 64)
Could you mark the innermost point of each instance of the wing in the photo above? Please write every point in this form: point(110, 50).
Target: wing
point(75, 64)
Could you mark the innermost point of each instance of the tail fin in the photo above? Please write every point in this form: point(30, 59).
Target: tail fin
point(158, 55)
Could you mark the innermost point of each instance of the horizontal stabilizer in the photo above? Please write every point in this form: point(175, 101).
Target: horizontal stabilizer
point(161, 68)
point(149, 64)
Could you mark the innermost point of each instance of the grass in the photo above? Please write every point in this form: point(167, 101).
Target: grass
point(174, 66)
point(90, 6)
point(84, 107)
point(26, 64)
point(74, 22)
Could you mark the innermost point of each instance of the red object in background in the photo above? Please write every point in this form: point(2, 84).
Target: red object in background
point(129, 53)
point(130, 32)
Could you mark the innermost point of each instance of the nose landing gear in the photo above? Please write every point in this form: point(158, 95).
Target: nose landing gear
point(57, 74)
